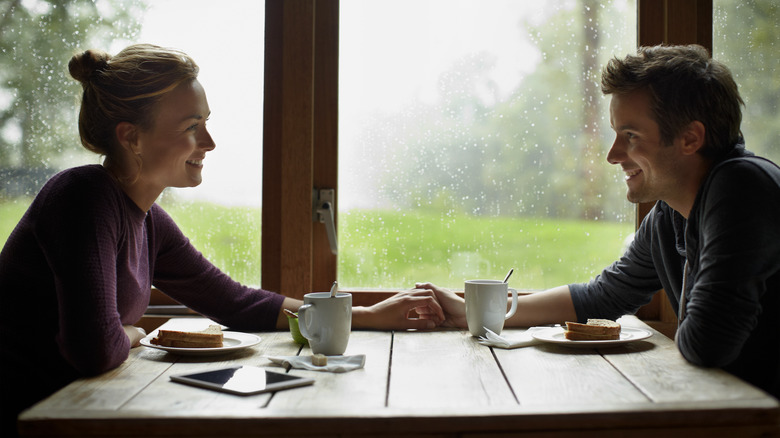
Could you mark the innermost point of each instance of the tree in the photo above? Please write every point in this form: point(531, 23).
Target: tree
point(38, 98)
point(746, 36)
point(526, 155)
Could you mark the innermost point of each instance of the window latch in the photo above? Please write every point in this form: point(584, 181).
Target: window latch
point(322, 212)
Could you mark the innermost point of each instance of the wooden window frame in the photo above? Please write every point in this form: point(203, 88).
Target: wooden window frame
point(300, 133)
point(670, 22)
point(300, 142)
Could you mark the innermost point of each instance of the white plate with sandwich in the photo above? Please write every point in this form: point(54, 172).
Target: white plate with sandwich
point(209, 342)
point(596, 333)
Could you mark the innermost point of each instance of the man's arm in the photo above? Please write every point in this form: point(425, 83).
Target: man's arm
point(548, 307)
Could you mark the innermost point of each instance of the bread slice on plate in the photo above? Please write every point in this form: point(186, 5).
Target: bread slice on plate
point(209, 338)
point(594, 330)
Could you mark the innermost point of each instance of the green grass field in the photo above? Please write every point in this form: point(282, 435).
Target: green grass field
point(390, 249)
point(10, 213)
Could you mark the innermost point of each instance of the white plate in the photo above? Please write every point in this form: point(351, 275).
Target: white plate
point(231, 341)
point(555, 335)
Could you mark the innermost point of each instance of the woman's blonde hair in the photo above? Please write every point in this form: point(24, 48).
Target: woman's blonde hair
point(125, 88)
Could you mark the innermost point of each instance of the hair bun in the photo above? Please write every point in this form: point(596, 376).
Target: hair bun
point(83, 65)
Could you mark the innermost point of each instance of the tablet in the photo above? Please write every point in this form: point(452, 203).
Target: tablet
point(243, 380)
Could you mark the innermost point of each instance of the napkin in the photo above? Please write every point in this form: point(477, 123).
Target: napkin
point(524, 339)
point(336, 364)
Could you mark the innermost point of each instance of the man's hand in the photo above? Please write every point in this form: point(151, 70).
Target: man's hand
point(454, 307)
point(394, 312)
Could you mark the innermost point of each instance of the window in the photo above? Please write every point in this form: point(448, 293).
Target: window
point(222, 215)
point(472, 140)
point(746, 35)
point(38, 131)
point(36, 140)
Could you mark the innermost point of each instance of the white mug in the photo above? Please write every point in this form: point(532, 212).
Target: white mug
point(486, 305)
point(326, 322)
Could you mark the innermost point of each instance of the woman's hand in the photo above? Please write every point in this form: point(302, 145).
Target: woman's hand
point(454, 307)
point(135, 334)
point(394, 312)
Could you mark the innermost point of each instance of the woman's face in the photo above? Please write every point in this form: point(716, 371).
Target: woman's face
point(172, 151)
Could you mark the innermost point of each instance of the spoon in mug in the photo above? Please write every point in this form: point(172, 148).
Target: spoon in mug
point(334, 289)
point(506, 279)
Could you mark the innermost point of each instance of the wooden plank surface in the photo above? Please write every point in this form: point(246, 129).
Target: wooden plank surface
point(440, 383)
point(111, 390)
point(656, 367)
point(571, 376)
point(164, 395)
point(444, 372)
point(343, 393)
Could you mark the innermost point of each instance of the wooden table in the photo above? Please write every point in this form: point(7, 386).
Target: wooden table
point(440, 383)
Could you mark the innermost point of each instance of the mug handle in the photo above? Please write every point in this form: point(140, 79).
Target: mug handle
point(512, 309)
point(305, 321)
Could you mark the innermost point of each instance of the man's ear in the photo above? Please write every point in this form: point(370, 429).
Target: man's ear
point(693, 137)
point(127, 136)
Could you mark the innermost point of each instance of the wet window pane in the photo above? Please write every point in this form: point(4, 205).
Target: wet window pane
point(473, 137)
point(39, 108)
point(746, 36)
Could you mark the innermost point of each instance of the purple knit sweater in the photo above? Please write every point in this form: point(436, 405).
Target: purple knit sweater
point(80, 264)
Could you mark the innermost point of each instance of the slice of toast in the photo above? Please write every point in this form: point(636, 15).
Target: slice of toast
point(595, 329)
point(209, 338)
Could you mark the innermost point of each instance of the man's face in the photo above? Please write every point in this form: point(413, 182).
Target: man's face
point(652, 168)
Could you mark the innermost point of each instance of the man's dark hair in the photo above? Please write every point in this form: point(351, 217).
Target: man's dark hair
point(684, 85)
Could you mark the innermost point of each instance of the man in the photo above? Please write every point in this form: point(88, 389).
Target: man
point(712, 240)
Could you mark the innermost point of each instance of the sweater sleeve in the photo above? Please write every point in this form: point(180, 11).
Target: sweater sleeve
point(623, 287)
point(181, 272)
point(738, 251)
point(77, 229)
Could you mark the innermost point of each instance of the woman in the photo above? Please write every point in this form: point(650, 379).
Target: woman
point(76, 272)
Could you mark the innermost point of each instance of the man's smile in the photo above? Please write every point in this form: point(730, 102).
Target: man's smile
point(632, 173)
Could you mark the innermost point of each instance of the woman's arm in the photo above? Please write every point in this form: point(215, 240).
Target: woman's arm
point(78, 225)
point(392, 313)
point(290, 304)
point(134, 334)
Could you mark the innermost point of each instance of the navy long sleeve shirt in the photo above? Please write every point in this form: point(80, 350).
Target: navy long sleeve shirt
point(731, 241)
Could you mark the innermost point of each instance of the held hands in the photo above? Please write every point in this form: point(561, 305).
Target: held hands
point(435, 307)
point(394, 312)
point(454, 307)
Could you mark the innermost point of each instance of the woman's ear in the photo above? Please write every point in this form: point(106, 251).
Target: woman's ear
point(127, 135)
point(693, 137)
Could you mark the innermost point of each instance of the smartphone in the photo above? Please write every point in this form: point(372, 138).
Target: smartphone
point(243, 380)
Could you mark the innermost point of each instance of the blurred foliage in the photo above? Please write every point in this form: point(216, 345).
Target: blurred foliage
point(472, 153)
point(747, 39)
point(541, 152)
point(538, 152)
point(38, 98)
